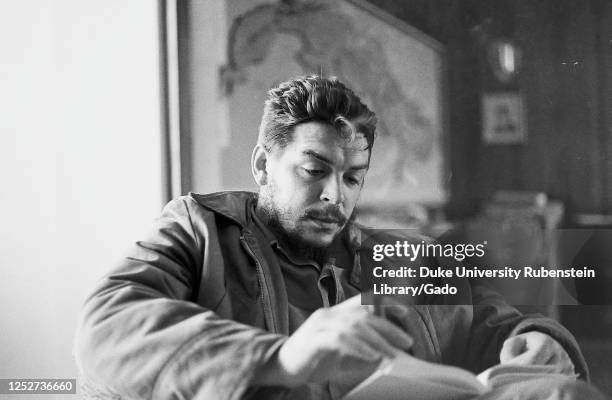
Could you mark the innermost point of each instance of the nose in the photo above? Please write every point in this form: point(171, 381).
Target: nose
point(333, 192)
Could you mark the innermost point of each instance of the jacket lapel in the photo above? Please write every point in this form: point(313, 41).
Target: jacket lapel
point(271, 282)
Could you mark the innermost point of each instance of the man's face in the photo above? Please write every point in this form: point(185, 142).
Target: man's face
point(313, 184)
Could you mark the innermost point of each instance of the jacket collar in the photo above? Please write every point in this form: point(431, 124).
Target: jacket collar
point(234, 205)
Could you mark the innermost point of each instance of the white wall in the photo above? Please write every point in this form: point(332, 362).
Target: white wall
point(79, 163)
point(209, 119)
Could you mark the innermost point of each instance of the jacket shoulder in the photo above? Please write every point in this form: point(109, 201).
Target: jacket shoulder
point(369, 235)
point(232, 205)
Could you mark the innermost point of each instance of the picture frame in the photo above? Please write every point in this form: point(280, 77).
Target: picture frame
point(503, 118)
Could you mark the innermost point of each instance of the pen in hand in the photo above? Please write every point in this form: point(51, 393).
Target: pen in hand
point(377, 305)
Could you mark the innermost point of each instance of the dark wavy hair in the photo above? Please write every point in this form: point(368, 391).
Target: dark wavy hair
point(314, 98)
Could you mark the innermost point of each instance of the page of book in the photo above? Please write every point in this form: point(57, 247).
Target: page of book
point(409, 377)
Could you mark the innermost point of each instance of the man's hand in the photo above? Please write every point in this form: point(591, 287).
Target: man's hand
point(536, 348)
point(342, 344)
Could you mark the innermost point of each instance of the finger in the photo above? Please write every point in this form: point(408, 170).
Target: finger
point(522, 359)
point(543, 351)
point(349, 327)
point(531, 357)
point(395, 312)
point(512, 348)
point(352, 305)
point(391, 333)
point(547, 358)
point(352, 312)
point(562, 362)
point(559, 364)
point(378, 332)
point(368, 335)
point(357, 347)
point(567, 366)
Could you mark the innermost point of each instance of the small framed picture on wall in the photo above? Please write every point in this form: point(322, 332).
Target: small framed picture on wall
point(503, 118)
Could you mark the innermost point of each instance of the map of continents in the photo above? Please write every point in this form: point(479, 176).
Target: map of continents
point(397, 75)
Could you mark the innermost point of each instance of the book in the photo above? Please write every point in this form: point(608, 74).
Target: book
point(409, 377)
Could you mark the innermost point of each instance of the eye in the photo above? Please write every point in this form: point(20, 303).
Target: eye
point(313, 171)
point(352, 181)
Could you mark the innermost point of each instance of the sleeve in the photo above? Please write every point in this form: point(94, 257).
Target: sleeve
point(141, 337)
point(494, 321)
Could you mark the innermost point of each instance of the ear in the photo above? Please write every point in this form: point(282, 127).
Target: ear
point(259, 160)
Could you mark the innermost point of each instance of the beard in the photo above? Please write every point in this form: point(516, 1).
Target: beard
point(283, 222)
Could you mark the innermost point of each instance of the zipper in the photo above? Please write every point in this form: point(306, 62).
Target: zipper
point(264, 295)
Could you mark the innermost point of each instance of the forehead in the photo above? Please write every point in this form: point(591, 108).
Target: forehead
point(324, 138)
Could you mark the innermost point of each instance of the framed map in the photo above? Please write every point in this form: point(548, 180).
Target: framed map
point(396, 69)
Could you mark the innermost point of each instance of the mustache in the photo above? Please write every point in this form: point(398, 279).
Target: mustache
point(327, 214)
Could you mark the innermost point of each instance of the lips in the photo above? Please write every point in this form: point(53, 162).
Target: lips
point(326, 216)
point(327, 220)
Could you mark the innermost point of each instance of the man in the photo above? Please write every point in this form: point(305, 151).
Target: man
point(236, 295)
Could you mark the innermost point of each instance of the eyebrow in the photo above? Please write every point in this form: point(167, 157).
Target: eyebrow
point(326, 160)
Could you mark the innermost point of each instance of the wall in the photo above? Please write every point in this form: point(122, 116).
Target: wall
point(565, 45)
point(205, 116)
point(79, 164)
point(567, 84)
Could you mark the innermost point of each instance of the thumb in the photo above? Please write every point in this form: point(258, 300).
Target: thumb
point(512, 347)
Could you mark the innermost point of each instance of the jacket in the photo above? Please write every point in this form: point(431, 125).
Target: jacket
point(194, 309)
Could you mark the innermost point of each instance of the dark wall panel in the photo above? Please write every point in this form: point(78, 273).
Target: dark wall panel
point(603, 13)
point(566, 83)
